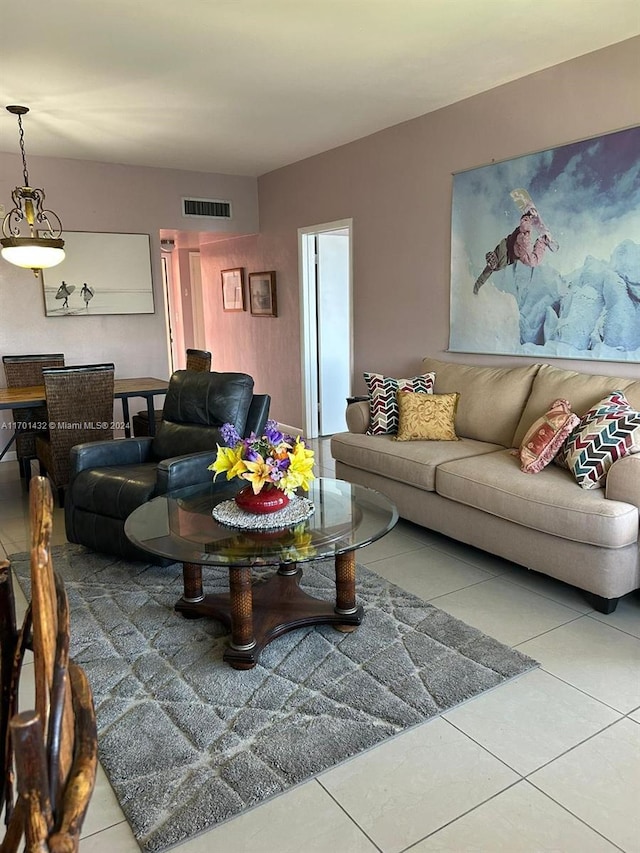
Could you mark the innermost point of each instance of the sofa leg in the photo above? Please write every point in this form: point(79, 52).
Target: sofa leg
point(602, 605)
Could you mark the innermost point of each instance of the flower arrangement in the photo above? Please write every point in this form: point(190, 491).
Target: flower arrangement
point(292, 546)
point(273, 459)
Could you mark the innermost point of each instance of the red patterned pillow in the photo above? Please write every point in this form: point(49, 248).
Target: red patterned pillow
point(545, 436)
point(383, 405)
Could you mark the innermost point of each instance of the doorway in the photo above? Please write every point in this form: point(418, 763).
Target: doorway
point(325, 259)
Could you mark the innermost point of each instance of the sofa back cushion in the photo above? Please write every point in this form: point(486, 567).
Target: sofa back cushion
point(491, 401)
point(196, 406)
point(582, 390)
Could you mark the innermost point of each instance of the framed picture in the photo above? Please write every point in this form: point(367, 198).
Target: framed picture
point(545, 253)
point(262, 294)
point(101, 274)
point(233, 289)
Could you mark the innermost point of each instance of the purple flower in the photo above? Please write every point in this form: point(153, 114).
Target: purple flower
point(230, 435)
point(272, 433)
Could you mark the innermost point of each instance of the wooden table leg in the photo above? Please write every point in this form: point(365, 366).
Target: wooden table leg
point(192, 580)
point(241, 605)
point(346, 588)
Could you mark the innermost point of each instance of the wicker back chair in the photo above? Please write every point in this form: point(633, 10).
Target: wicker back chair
point(21, 371)
point(197, 359)
point(80, 404)
point(54, 746)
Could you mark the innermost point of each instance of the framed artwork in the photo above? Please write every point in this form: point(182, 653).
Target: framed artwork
point(545, 253)
point(233, 289)
point(262, 294)
point(101, 274)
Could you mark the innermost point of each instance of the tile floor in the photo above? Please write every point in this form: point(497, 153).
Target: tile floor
point(547, 762)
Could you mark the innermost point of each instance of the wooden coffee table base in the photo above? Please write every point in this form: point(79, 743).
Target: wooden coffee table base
point(257, 614)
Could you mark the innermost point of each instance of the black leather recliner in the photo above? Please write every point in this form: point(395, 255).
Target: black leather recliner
point(109, 479)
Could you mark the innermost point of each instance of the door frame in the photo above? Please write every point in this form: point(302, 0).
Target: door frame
point(308, 318)
point(197, 299)
point(171, 316)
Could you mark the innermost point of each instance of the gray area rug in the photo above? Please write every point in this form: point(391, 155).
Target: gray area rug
point(188, 742)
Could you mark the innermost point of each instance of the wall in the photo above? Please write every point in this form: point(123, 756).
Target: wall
point(103, 197)
point(260, 346)
point(396, 185)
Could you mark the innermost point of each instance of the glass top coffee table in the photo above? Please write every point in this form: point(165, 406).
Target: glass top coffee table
point(180, 527)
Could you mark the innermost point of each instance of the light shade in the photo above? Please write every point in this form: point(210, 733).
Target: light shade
point(34, 253)
point(31, 233)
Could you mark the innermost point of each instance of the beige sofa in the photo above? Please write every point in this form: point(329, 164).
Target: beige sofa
point(474, 491)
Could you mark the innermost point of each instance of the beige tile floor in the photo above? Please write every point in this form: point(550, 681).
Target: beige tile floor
point(547, 762)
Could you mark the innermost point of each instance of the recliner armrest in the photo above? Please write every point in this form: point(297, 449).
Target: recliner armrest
point(181, 471)
point(100, 454)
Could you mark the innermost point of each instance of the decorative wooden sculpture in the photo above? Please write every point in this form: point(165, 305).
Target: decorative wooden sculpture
point(55, 745)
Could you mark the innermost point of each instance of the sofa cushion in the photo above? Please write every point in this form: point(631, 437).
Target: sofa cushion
point(492, 399)
point(427, 417)
point(414, 464)
point(582, 390)
point(608, 431)
point(551, 502)
point(546, 436)
point(383, 405)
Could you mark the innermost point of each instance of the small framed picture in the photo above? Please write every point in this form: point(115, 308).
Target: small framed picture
point(262, 294)
point(233, 289)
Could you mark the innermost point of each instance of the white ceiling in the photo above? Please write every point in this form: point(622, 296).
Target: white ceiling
point(246, 86)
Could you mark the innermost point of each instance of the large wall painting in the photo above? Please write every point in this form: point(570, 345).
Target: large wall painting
point(545, 253)
point(101, 274)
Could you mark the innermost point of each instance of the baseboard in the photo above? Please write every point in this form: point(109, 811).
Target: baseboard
point(289, 429)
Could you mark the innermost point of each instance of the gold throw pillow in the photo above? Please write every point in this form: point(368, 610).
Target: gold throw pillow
point(427, 417)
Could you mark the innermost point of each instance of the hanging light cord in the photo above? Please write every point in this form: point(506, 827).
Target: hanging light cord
point(25, 174)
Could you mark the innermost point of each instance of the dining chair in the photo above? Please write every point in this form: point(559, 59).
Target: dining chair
point(80, 405)
point(53, 747)
point(22, 371)
point(197, 359)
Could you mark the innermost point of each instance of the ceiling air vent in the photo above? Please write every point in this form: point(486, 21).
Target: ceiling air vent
point(211, 208)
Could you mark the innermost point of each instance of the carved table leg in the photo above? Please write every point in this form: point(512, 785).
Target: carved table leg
point(241, 601)
point(346, 588)
point(192, 580)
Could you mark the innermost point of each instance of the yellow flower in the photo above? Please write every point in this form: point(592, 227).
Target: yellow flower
point(229, 459)
point(257, 473)
point(300, 471)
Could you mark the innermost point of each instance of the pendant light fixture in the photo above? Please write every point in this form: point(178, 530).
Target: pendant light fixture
point(30, 233)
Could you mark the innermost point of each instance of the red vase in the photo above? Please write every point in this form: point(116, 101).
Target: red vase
point(268, 499)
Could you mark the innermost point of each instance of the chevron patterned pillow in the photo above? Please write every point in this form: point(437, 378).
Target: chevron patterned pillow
point(383, 406)
point(608, 431)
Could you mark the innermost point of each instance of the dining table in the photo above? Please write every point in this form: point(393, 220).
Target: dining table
point(146, 387)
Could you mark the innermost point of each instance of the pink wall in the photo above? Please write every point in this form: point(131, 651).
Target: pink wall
point(264, 347)
point(103, 197)
point(397, 185)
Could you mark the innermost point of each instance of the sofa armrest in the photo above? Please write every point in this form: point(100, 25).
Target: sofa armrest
point(358, 416)
point(100, 454)
point(180, 471)
point(623, 480)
